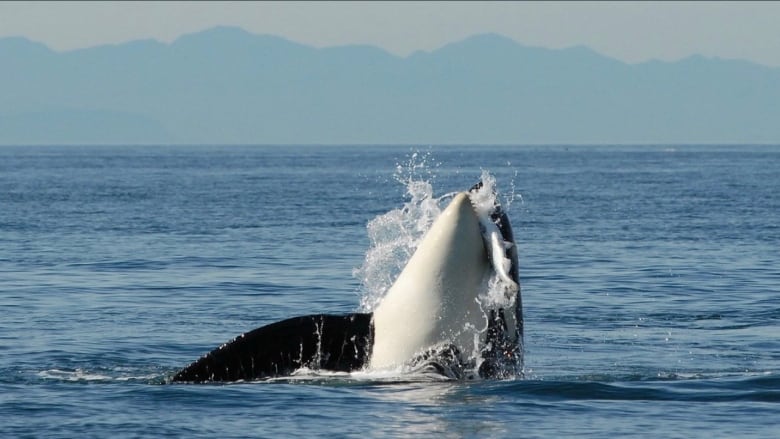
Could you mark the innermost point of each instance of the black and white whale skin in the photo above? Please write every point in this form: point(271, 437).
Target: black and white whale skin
point(426, 321)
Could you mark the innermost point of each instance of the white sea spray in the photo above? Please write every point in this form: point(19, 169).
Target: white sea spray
point(394, 236)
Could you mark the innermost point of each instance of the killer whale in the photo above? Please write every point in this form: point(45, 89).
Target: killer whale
point(430, 319)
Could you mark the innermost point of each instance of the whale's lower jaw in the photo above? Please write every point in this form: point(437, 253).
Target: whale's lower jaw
point(434, 299)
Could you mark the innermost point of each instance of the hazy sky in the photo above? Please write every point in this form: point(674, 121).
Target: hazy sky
point(631, 32)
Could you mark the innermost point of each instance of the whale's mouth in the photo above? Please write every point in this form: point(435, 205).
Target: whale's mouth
point(502, 352)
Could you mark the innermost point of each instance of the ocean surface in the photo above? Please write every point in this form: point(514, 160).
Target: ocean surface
point(650, 279)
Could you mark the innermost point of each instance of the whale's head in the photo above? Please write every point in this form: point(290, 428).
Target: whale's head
point(440, 297)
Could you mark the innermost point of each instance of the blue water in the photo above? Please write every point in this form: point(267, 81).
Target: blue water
point(650, 279)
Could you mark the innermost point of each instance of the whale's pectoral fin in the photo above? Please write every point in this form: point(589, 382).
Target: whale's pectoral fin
point(332, 342)
point(501, 356)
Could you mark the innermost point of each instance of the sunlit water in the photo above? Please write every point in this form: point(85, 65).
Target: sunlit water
point(650, 277)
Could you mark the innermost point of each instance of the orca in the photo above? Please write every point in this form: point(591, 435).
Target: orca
point(431, 320)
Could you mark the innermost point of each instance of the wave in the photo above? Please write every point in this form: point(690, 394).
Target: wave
point(759, 388)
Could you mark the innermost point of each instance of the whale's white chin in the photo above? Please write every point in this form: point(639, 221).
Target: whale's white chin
point(434, 299)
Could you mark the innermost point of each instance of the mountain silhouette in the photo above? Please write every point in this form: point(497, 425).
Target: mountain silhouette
point(225, 85)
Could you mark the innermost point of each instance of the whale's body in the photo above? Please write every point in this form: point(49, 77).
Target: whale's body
point(432, 315)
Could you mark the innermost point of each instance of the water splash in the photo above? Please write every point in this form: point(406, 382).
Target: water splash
point(394, 236)
point(102, 375)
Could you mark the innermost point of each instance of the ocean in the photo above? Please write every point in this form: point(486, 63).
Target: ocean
point(650, 278)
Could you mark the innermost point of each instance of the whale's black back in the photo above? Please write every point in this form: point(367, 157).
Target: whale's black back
point(332, 342)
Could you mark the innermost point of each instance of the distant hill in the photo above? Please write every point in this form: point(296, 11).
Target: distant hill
point(225, 85)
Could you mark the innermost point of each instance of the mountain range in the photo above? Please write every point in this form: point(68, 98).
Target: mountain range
point(228, 86)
